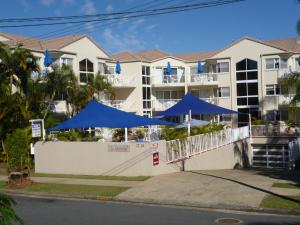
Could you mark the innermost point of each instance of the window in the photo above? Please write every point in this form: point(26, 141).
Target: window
point(193, 70)
point(223, 92)
point(277, 115)
point(67, 61)
point(86, 71)
point(223, 67)
point(146, 70)
point(101, 68)
point(273, 89)
point(276, 63)
point(169, 94)
point(146, 75)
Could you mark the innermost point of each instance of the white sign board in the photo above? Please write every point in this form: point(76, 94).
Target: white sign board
point(36, 128)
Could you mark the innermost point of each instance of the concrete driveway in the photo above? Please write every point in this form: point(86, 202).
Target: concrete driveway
point(235, 189)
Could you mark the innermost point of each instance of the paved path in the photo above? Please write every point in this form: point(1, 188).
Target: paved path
point(218, 189)
point(81, 181)
point(36, 211)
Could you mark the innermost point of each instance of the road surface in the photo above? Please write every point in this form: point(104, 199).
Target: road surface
point(43, 211)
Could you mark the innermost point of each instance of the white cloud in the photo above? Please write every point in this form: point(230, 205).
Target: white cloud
point(121, 42)
point(150, 27)
point(88, 8)
point(109, 8)
point(136, 24)
point(25, 5)
point(123, 21)
point(47, 2)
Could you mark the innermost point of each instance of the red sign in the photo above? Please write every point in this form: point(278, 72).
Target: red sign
point(155, 158)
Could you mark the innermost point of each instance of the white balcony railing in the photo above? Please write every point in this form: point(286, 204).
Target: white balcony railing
point(168, 79)
point(119, 80)
point(204, 78)
point(212, 100)
point(119, 104)
point(163, 104)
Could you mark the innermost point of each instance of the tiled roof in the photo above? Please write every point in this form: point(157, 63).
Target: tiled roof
point(196, 56)
point(151, 55)
point(290, 44)
point(128, 56)
point(40, 45)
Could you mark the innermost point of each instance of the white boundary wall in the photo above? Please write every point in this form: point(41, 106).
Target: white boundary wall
point(131, 159)
point(96, 158)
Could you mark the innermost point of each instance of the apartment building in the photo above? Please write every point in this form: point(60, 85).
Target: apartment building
point(245, 76)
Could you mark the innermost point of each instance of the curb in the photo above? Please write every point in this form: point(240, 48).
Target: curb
point(278, 212)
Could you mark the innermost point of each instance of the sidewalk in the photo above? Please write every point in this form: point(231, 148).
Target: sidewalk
point(118, 183)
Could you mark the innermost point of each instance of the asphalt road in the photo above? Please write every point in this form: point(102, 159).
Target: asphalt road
point(37, 211)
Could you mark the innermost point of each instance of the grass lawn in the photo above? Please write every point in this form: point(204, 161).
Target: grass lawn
point(81, 190)
point(286, 185)
point(275, 202)
point(95, 177)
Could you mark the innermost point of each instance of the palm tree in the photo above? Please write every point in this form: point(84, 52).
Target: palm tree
point(102, 86)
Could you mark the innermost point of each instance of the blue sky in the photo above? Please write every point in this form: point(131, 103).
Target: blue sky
point(199, 30)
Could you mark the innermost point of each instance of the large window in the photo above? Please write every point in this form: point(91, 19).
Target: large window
point(161, 95)
point(276, 89)
point(276, 63)
point(146, 75)
point(223, 67)
point(247, 89)
point(86, 71)
point(146, 89)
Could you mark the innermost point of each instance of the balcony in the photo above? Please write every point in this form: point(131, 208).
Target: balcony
point(168, 80)
point(163, 104)
point(119, 104)
point(119, 80)
point(281, 100)
point(275, 131)
point(204, 79)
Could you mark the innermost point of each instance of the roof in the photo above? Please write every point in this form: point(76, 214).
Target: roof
point(196, 56)
point(290, 44)
point(41, 44)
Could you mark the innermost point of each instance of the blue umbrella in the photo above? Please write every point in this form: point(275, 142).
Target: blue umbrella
point(169, 70)
point(192, 123)
point(118, 67)
point(200, 70)
point(299, 60)
point(48, 58)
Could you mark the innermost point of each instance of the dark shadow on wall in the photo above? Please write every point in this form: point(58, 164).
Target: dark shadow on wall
point(246, 185)
point(241, 150)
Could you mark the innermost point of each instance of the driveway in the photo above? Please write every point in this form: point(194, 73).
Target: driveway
point(235, 189)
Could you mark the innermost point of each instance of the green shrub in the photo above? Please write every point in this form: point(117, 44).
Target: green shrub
point(17, 147)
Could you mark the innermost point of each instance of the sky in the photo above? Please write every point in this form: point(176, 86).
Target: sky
point(193, 31)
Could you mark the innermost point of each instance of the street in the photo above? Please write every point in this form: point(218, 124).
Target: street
point(39, 211)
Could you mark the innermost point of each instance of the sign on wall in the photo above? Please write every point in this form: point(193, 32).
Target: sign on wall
point(155, 158)
point(36, 128)
point(118, 148)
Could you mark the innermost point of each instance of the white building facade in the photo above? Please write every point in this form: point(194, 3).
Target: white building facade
point(245, 76)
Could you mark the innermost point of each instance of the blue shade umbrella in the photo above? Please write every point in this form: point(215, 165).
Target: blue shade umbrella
point(118, 67)
point(192, 123)
point(169, 69)
point(199, 69)
point(299, 60)
point(48, 58)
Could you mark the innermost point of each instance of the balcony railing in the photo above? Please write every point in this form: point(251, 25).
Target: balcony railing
point(119, 80)
point(204, 78)
point(274, 131)
point(119, 104)
point(168, 79)
point(163, 104)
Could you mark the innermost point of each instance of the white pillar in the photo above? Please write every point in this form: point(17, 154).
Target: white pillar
point(126, 134)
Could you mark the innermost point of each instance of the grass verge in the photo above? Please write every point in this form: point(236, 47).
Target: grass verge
point(80, 190)
point(275, 202)
point(94, 177)
point(286, 185)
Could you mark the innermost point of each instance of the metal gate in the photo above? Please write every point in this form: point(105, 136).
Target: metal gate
point(270, 156)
